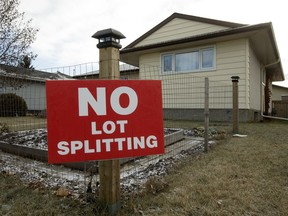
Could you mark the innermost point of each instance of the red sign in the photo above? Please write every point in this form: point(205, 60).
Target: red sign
point(103, 119)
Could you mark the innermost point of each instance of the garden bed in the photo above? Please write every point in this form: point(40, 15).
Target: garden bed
point(133, 173)
point(33, 144)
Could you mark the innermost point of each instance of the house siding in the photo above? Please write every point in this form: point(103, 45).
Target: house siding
point(255, 84)
point(177, 29)
point(186, 90)
point(33, 93)
point(279, 93)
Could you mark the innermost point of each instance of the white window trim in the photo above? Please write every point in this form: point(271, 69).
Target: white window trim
point(186, 51)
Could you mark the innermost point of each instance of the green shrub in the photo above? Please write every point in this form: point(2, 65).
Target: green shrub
point(12, 105)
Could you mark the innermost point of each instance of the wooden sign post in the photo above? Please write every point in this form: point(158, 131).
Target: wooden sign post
point(109, 170)
point(99, 119)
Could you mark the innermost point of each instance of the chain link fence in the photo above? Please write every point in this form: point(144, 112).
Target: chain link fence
point(23, 133)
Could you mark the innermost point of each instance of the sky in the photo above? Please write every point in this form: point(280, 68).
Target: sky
point(66, 26)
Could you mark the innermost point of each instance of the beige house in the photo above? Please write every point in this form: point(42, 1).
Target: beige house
point(184, 46)
point(126, 72)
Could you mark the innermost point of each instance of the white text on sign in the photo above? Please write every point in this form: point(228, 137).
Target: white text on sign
point(85, 98)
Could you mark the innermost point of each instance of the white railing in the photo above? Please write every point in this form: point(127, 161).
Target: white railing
point(76, 69)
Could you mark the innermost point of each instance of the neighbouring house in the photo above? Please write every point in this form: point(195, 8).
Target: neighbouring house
point(27, 83)
point(185, 46)
point(279, 93)
point(126, 72)
point(280, 101)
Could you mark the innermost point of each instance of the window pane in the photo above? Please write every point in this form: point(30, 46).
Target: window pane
point(207, 58)
point(187, 61)
point(167, 63)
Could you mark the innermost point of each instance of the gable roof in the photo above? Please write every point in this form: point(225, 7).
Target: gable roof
point(258, 35)
point(185, 17)
point(30, 74)
point(280, 87)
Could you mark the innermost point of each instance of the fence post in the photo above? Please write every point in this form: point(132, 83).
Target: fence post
point(206, 115)
point(235, 80)
point(109, 170)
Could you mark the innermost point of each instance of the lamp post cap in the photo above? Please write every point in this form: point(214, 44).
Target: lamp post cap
point(235, 78)
point(108, 32)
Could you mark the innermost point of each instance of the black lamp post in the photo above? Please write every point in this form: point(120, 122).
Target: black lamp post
point(109, 45)
point(108, 38)
point(235, 80)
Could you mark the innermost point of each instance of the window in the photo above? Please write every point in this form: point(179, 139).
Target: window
point(196, 60)
point(187, 61)
point(207, 58)
point(167, 63)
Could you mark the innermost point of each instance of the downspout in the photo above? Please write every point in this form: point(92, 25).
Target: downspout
point(262, 108)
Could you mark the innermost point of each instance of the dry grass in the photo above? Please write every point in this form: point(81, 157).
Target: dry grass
point(24, 123)
point(17, 199)
point(240, 176)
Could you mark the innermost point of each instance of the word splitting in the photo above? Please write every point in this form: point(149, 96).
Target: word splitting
point(105, 145)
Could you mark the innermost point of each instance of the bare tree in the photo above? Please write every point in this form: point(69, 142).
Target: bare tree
point(26, 62)
point(16, 34)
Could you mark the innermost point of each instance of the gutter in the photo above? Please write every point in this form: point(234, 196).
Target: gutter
point(268, 65)
point(262, 114)
point(274, 117)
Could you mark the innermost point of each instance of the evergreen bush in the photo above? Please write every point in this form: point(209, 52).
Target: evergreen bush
point(12, 105)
